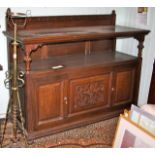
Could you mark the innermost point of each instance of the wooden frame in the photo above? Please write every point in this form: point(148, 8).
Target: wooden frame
point(129, 134)
point(143, 119)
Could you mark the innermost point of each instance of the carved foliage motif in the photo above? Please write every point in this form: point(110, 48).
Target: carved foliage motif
point(89, 94)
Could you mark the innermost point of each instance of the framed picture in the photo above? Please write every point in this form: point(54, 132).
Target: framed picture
point(130, 135)
point(143, 119)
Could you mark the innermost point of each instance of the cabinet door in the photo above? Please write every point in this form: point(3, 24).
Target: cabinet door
point(89, 94)
point(123, 86)
point(48, 101)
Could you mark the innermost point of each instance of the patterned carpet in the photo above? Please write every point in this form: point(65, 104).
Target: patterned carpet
point(97, 135)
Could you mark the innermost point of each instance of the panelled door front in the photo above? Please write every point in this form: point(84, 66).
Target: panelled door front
point(48, 101)
point(89, 94)
point(123, 87)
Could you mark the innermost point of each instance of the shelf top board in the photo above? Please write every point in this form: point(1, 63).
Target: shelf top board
point(70, 34)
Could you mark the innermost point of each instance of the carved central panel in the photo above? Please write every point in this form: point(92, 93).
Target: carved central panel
point(89, 94)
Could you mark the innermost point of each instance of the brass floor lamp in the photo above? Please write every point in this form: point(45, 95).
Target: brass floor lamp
point(14, 81)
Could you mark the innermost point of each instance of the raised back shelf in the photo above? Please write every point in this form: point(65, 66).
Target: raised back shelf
point(44, 41)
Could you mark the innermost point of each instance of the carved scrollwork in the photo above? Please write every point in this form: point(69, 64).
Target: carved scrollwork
point(89, 94)
point(28, 50)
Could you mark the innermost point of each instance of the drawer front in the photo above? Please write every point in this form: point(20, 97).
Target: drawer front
point(89, 94)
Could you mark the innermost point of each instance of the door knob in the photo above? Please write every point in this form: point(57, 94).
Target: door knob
point(113, 89)
point(65, 100)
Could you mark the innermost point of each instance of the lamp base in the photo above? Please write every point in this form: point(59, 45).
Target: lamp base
point(9, 141)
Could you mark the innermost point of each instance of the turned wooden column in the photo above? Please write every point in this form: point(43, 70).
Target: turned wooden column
point(140, 47)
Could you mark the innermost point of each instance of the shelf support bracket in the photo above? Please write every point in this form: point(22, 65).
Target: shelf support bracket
point(28, 51)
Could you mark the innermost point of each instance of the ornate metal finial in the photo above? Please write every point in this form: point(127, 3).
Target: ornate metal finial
point(12, 16)
point(8, 13)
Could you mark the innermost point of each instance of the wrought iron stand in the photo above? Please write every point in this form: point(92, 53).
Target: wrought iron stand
point(14, 81)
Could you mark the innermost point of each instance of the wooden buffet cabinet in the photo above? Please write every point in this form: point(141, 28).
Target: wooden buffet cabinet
point(73, 74)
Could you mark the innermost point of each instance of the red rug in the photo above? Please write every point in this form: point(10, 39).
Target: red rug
point(96, 135)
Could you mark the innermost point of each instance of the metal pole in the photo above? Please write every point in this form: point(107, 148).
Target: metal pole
point(14, 84)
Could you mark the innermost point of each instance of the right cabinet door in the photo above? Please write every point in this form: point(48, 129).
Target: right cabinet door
point(123, 86)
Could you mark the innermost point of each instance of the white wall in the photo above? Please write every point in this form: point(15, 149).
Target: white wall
point(130, 46)
point(125, 16)
point(3, 62)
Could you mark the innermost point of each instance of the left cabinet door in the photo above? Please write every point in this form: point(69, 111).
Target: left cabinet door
point(48, 101)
